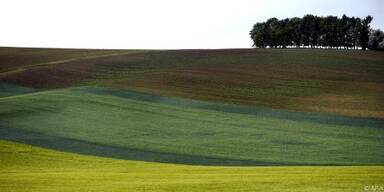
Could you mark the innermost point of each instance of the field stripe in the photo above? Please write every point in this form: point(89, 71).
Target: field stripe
point(332, 119)
point(25, 168)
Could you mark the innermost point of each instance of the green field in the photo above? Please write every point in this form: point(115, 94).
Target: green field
point(193, 120)
point(333, 81)
point(27, 168)
point(190, 131)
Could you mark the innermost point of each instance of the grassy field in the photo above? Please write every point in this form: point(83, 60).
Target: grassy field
point(333, 81)
point(191, 120)
point(192, 132)
point(27, 168)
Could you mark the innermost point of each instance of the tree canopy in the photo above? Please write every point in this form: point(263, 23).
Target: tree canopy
point(313, 31)
point(376, 40)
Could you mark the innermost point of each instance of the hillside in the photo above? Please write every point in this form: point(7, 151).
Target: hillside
point(275, 89)
point(333, 81)
point(193, 120)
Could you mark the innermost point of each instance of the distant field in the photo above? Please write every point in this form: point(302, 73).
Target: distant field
point(26, 168)
point(334, 81)
point(18, 59)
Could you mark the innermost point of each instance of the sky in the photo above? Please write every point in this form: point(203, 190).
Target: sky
point(157, 24)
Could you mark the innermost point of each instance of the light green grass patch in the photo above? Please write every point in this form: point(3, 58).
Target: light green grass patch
point(27, 168)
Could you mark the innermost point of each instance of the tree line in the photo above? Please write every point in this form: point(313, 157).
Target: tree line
point(314, 32)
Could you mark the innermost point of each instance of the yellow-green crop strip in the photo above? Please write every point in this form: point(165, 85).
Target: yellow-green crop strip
point(28, 168)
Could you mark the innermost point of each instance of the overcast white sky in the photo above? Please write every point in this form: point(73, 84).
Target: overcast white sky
point(157, 24)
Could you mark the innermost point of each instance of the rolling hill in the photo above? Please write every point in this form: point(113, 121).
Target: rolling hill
point(334, 81)
point(300, 114)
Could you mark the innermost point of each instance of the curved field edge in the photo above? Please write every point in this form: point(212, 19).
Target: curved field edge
point(29, 168)
point(131, 125)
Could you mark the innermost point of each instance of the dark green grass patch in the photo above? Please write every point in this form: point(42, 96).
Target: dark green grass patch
point(7, 89)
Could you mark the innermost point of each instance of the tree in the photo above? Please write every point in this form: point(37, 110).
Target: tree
point(258, 35)
point(364, 32)
point(306, 29)
point(381, 46)
point(328, 30)
point(294, 31)
point(315, 31)
point(350, 31)
point(271, 32)
point(356, 42)
point(376, 40)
